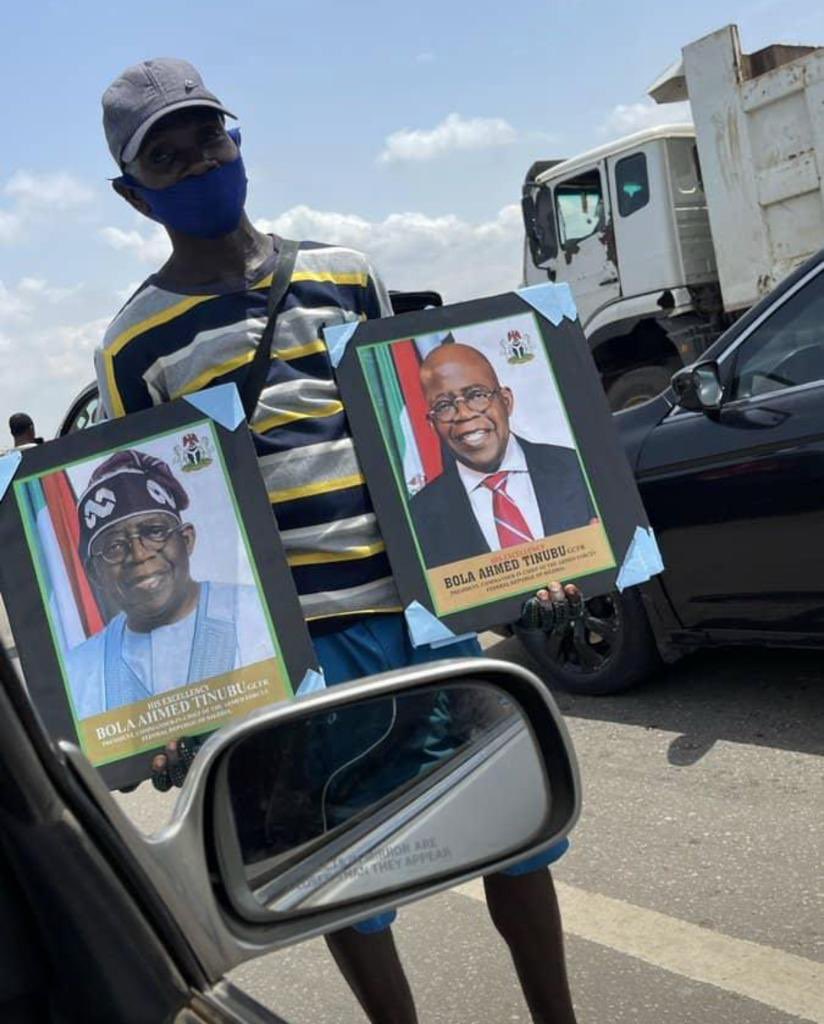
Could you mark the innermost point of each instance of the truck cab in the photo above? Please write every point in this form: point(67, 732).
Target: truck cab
point(626, 226)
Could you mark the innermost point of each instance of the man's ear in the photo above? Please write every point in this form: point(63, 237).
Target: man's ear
point(508, 399)
point(189, 535)
point(132, 198)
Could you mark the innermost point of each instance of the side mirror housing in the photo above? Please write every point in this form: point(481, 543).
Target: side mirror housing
point(698, 388)
point(313, 814)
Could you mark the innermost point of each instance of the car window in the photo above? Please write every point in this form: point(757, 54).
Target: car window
point(580, 205)
point(787, 349)
point(85, 415)
point(632, 184)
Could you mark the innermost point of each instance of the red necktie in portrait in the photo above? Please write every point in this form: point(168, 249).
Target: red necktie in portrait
point(509, 520)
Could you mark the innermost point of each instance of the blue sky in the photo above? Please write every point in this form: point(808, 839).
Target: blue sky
point(402, 129)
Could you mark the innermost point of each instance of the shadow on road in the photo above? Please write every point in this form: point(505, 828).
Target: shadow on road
point(762, 697)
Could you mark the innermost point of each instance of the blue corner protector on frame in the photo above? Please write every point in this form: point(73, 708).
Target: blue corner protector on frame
point(426, 628)
point(312, 682)
point(554, 301)
point(642, 560)
point(8, 467)
point(221, 404)
point(337, 338)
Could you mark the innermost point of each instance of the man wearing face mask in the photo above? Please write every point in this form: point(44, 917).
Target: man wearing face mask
point(197, 322)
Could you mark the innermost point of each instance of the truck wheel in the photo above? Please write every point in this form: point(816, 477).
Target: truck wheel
point(608, 651)
point(637, 386)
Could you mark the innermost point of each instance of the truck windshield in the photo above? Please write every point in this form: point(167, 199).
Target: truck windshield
point(580, 205)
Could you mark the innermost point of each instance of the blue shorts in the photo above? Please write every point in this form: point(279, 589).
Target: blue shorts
point(380, 643)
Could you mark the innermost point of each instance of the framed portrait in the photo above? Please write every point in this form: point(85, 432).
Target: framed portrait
point(146, 586)
point(490, 456)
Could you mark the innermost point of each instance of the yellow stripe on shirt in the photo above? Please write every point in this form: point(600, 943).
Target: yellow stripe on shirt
point(164, 316)
point(209, 375)
point(332, 409)
point(321, 276)
point(286, 354)
point(340, 484)
point(321, 557)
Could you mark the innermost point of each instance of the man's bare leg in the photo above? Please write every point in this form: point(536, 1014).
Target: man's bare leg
point(373, 969)
point(524, 909)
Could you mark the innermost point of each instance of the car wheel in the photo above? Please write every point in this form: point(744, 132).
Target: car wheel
point(608, 650)
point(638, 386)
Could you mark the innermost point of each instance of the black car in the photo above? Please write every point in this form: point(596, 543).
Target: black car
point(730, 465)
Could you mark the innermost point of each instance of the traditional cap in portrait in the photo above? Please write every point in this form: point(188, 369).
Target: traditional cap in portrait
point(128, 483)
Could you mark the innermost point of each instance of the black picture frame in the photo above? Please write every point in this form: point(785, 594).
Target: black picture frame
point(33, 621)
point(580, 395)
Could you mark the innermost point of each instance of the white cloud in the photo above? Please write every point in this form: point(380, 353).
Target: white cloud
point(37, 287)
point(44, 365)
point(123, 294)
point(13, 305)
point(626, 118)
point(33, 196)
point(453, 133)
point(71, 348)
point(19, 302)
point(151, 248)
point(9, 226)
point(414, 251)
point(426, 57)
point(58, 190)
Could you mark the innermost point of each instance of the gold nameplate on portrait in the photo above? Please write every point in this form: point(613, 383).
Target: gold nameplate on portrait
point(186, 711)
point(566, 556)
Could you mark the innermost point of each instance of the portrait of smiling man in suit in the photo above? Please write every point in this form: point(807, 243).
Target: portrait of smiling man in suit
point(497, 490)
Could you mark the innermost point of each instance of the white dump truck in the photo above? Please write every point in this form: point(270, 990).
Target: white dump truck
point(667, 235)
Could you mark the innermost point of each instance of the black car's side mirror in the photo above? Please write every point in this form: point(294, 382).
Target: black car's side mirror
point(698, 388)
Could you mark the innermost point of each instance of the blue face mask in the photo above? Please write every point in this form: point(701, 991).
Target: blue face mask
point(203, 205)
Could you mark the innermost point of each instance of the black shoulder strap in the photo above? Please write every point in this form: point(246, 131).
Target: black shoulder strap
point(281, 277)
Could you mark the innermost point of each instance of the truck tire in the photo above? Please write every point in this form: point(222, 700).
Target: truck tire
point(637, 386)
point(610, 650)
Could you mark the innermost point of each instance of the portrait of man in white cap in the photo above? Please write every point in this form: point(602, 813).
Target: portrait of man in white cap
point(169, 628)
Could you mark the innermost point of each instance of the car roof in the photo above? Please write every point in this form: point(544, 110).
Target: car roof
point(754, 312)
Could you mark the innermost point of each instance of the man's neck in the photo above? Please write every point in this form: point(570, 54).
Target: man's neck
point(215, 261)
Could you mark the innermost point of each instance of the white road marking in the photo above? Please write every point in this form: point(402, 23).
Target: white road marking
point(781, 980)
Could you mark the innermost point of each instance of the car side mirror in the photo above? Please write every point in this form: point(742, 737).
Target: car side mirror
point(378, 796)
point(308, 816)
point(698, 388)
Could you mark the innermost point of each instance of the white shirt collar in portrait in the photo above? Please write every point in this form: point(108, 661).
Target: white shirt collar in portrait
point(518, 487)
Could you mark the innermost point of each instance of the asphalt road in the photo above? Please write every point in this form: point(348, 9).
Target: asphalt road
point(693, 893)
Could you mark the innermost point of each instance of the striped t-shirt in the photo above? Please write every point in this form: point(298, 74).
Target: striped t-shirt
point(164, 344)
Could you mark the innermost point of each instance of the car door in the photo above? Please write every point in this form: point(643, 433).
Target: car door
point(737, 497)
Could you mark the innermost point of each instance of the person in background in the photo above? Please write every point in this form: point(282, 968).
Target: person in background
point(197, 322)
point(21, 427)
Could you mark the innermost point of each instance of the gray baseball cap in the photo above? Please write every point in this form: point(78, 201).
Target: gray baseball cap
point(143, 94)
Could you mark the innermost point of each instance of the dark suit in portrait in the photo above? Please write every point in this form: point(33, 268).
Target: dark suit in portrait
point(445, 522)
